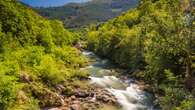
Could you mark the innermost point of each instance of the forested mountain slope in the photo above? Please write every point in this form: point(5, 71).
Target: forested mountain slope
point(35, 55)
point(155, 41)
point(77, 15)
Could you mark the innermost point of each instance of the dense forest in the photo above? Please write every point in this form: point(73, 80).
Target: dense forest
point(76, 15)
point(156, 42)
point(40, 60)
point(35, 54)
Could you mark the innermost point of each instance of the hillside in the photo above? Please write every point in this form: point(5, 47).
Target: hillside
point(51, 3)
point(143, 58)
point(77, 15)
point(154, 41)
point(36, 54)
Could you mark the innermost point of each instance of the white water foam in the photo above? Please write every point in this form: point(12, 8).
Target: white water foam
point(130, 99)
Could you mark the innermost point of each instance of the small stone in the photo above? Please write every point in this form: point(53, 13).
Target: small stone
point(75, 107)
point(73, 97)
point(76, 102)
point(60, 87)
point(54, 109)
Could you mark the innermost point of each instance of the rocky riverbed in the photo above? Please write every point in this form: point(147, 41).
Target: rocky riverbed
point(90, 98)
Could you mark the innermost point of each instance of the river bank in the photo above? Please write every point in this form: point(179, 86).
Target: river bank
point(107, 88)
point(86, 97)
point(131, 94)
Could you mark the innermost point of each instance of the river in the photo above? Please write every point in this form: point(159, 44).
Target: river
point(127, 92)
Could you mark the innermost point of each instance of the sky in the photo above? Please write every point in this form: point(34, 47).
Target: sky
point(49, 3)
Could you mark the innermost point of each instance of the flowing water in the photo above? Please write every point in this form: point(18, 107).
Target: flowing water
point(128, 94)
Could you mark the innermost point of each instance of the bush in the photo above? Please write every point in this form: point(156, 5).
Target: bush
point(49, 70)
point(8, 91)
point(70, 57)
point(176, 99)
point(187, 105)
point(72, 74)
point(25, 103)
point(9, 74)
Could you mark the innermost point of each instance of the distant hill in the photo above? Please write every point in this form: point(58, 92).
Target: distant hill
point(51, 3)
point(80, 14)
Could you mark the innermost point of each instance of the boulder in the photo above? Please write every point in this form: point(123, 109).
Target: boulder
point(82, 94)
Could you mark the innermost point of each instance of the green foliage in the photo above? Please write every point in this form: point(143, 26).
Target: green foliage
point(49, 71)
point(171, 79)
point(153, 38)
point(154, 34)
point(9, 75)
point(8, 90)
point(58, 31)
point(24, 27)
point(176, 99)
point(120, 44)
point(33, 51)
point(70, 56)
point(187, 105)
point(25, 104)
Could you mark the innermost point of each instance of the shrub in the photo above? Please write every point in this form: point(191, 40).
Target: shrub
point(187, 105)
point(29, 103)
point(49, 70)
point(176, 98)
point(8, 91)
point(70, 57)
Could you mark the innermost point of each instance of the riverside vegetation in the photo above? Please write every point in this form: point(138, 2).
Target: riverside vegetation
point(36, 54)
point(154, 41)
